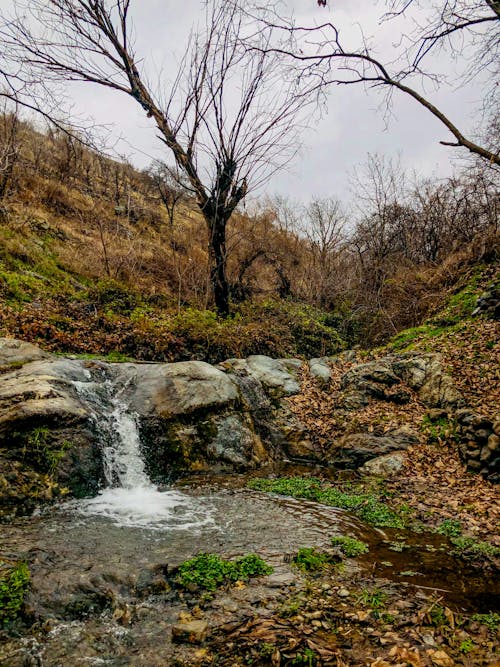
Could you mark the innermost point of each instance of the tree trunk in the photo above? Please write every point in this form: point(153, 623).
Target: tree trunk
point(217, 257)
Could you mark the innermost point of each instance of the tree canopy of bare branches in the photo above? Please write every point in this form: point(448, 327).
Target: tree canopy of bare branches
point(229, 119)
point(467, 30)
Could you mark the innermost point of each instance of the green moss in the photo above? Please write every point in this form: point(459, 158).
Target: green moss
point(350, 546)
point(209, 571)
point(14, 583)
point(366, 506)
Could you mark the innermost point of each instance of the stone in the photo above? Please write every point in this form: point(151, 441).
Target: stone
point(353, 400)
point(235, 442)
point(379, 371)
point(168, 390)
point(320, 370)
point(493, 442)
point(355, 449)
point(424, 373)
point(485, 454)
point(277, 376)
point(16, 353)
point(343, 593)
point(384, 466)
point(191, 632)
point(41, 410)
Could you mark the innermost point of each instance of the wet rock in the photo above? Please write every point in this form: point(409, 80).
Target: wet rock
point(191, 632)
point(236, 443)
point(353, 450)
point(384, 466)
point(45, 426)
point(320, 370)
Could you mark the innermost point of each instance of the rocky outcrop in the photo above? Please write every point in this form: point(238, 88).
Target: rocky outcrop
point(191, 415)
point(480, 443)
point(354, 450)
point(44, 424)
point(16, 353)
point(278, 377)
point(384, 379)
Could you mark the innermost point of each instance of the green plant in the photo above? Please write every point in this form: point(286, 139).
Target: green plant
point(466, 646)
point(398, 545)
point(209, 571)
point(450, 528)
point(291, 607)
point(266, 650)
point(375, 598)
point(309, 559)
point(438, 616)
point(14, 583)
point(366, 506)
point(38, 450)
point(350, 546)
point(307, 657)
point(468, 547)
point(491, 620)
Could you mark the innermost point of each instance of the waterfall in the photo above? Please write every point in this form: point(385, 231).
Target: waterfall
point(129, 497)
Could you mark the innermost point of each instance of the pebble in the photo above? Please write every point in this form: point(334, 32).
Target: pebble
point(193, 632)
point(343, 593)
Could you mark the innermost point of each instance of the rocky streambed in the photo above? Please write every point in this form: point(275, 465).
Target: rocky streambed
point(89, 453)
point(103, 587)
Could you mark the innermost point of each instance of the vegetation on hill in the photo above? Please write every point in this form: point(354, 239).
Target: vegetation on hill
point(99, 258)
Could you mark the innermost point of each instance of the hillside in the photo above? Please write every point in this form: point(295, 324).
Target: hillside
point(98, 258)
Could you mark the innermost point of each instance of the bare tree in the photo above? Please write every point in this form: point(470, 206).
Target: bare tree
point(229, 119)
point(467, 29)
point(170, 186)
point(325, 231)
point(9, 147)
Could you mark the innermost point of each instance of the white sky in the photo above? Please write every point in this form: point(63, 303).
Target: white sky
point(352, 126)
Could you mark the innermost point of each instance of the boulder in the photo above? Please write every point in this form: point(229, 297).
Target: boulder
point(320, 370)
point(46, 426)
point(353, 450)
point(387, 465)
point(169, 390)
point(15, 353)
point(277, 376)
point(425, 374)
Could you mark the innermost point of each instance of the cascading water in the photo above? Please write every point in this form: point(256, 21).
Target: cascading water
point(129, 497)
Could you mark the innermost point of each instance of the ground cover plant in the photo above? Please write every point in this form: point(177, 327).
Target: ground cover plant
point(366, 506)
point(209, 571)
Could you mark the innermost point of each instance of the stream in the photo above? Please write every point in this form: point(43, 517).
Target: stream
point(92, 560)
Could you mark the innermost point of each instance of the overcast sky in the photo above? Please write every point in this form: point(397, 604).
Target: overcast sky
point(352, 125)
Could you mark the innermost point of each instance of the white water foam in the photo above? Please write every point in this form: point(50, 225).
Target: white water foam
point(149, 508)
point(130, 499)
